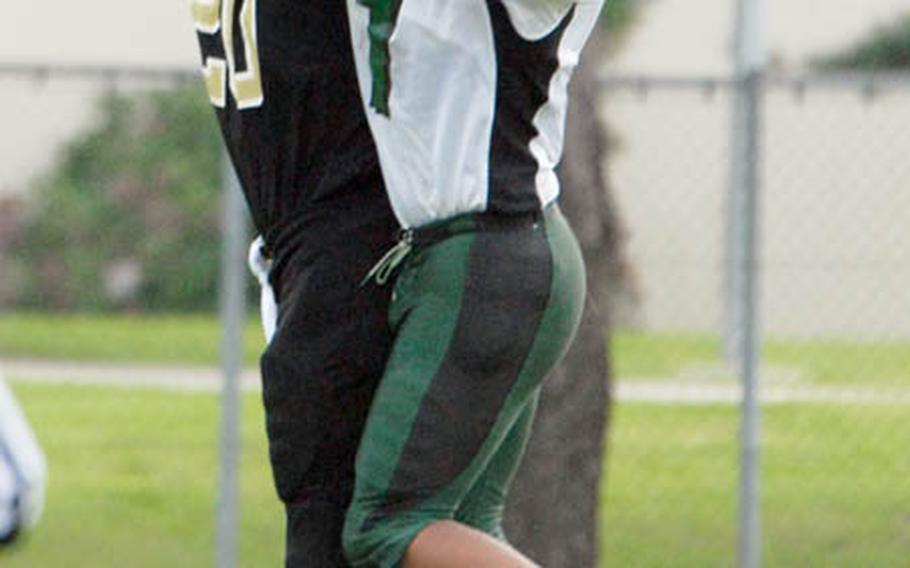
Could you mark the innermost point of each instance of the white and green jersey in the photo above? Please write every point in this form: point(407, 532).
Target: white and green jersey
point(467, 99)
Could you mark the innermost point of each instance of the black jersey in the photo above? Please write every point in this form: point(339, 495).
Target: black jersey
point(288, 103)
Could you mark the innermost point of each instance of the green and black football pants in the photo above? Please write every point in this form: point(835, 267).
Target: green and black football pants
point(483, 309)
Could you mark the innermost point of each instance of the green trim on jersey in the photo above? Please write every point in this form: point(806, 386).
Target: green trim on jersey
point(383, 17)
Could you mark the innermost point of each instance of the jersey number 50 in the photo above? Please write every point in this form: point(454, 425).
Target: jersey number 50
point(239, 69)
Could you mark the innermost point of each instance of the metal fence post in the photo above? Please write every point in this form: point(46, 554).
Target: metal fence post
point(750, 539)
point(232, 312)
point(743, 330)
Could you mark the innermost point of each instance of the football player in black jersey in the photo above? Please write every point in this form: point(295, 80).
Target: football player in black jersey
point(281, 77)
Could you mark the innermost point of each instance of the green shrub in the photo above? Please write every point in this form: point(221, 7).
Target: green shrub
point(129, 218)
point(887, 49)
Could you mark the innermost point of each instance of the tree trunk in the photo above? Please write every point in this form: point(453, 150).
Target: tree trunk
point(553, 510)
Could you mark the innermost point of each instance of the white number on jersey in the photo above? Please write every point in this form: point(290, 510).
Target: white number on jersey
point(245, 84)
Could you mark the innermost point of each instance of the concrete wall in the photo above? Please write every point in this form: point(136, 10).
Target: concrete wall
point(696, 37)
point(37, 116)
point(836, 186)
point(835, 249)
point(835, 255)
point(672, 36)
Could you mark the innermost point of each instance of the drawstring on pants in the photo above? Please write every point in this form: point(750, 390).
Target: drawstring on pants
point(385, 268)
point(439, 231)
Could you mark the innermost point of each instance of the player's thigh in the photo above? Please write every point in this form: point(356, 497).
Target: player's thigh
point(319, 374)
point(484, 505)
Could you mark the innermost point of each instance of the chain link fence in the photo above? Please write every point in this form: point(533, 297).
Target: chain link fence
point(834, 310)
point(834, 316)
point(138, 168)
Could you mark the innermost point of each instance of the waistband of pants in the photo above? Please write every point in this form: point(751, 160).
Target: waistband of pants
point(436, 232)
point(485, 221)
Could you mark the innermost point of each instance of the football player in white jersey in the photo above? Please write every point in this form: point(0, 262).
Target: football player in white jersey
point(22, 470)
point(466, 100)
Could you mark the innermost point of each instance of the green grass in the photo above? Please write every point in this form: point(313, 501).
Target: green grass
point(811, 361)
point(133, 473)
point(836, 486)
point(181, 339)
point(132, 480)
point(661, 355)
point(132, 483)
point(836, 362)
point(178, 339)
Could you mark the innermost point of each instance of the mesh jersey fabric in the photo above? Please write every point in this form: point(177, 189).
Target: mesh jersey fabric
point(467, 99)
